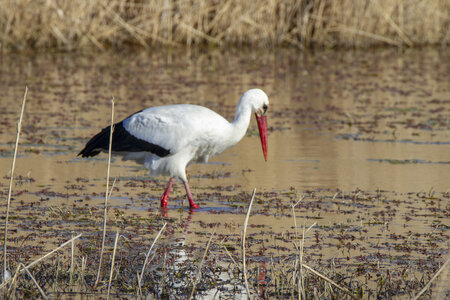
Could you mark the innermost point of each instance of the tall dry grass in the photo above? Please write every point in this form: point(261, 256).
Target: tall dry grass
point(72, 24)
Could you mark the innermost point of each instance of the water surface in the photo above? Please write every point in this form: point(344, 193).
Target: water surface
point(365, 134)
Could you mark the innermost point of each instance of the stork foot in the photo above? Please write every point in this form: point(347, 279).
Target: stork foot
point(189, 196)
point(192, 205)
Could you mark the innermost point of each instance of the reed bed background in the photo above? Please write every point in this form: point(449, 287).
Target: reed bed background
point(64, 24)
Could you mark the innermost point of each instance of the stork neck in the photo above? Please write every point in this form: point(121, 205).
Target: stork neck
point(241, 120)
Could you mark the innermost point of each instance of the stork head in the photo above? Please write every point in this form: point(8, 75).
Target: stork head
point(259, 103)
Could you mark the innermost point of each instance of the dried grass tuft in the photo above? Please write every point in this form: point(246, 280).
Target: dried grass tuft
point(26, 24)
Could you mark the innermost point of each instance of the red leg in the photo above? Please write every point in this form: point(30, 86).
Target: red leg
point(189, 195)
point(165, 195)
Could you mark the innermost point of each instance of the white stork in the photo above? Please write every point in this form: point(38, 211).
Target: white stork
point(167, 139)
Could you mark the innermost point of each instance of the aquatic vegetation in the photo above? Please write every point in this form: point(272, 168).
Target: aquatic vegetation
point(353, 203)
point(367, 253)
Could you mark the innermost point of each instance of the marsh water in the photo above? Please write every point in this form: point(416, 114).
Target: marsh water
point(363, 137)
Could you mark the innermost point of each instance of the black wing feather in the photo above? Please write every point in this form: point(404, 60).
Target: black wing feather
point(122, 141)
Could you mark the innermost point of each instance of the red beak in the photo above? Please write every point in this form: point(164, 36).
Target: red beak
point(262, 125)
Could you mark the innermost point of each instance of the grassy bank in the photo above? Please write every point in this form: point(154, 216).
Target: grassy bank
point(28, 24)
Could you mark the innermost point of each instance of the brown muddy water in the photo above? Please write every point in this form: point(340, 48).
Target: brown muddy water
point(362, 137)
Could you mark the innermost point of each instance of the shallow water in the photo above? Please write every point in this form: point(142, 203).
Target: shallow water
point(365, 134)
point(339, 119)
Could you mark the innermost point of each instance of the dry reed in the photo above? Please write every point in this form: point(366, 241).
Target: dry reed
point(244, 233)
point(71, 260)
point(146, 259)
point(11, 178)
point(346, 291)
point(26, 24)
point(34, 281)
point(11, 286)
point(42, 258)
point(231, 257)
point(112, 265)
point(301, 285)
point(300, 251)
point(107, 193)
point(425, 288)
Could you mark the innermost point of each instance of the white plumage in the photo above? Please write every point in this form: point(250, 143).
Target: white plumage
point(167, 139)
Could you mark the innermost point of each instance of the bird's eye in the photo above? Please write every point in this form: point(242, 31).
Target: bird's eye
point(265, 107)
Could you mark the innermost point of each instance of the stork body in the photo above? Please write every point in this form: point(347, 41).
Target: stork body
point(167, 139)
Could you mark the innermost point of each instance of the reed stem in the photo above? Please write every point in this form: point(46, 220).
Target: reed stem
point(244, 271)
point(105, 213)
point(11, 178)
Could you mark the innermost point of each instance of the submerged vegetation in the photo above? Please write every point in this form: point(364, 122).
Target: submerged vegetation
point(26, 24)
point(154, 256)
